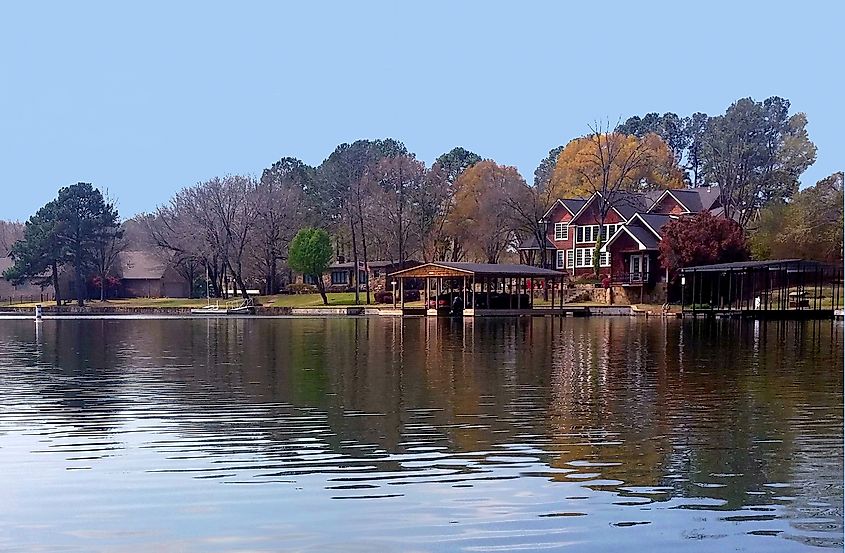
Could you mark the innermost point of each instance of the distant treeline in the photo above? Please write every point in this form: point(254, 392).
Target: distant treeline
point(378, 201)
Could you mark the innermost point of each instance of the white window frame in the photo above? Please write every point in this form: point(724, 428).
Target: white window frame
point(559, 259)
point(561, 231)
point(607, 233)
point(570, 259)
point(587, 234)
point(583, 258)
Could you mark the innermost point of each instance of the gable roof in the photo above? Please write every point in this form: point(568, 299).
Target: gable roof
point(530, 243)
point(140, 265)
point(653, 221)
point(694, 200)
point(572, 205)
point(490, 269)
point(625, 204)
point(645, 228)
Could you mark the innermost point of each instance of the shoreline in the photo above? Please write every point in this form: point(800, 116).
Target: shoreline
point(68, 312)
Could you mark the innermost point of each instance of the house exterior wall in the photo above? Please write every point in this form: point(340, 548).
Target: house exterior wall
point(140, 288)
point(558, 215)
point(588, 217)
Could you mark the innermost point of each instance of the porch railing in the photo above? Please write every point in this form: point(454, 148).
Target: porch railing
point(641, 277)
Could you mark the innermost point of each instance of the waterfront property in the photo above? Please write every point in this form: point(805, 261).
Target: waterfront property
point(781, 289)
point(631, 231)
point(481, 288)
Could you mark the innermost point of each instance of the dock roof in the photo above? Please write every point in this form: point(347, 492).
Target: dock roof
point(460, 268)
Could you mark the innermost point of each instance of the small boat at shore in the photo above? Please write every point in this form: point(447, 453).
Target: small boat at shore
point(241, 307)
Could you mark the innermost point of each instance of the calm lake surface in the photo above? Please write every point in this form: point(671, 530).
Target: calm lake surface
point(362, 434)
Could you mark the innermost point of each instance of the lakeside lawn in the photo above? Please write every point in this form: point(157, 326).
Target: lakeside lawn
point(280, 300)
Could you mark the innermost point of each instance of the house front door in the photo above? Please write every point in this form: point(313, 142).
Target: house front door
point(634, 268)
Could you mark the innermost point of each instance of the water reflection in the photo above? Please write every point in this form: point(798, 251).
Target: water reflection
point(420, 434)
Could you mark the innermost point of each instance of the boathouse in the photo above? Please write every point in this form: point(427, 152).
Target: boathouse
point(481, 289)
point(781, 289)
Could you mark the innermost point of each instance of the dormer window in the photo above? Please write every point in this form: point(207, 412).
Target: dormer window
point(561, 231)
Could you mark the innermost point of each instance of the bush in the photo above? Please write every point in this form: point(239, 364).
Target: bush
point(585, 279)
point(300, 288)
point(387, 297)
point(383, 297)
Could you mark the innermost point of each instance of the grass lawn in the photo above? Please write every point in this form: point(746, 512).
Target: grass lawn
point(281, 300)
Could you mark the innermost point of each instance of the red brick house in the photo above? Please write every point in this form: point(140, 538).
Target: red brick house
point(632, 230)
point(634, 248)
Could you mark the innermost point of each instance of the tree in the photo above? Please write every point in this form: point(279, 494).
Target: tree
point(86, 222)
point(10, 232)
point(610, 165)
point(808, 227)
point(280, 208)
point(310, 253)
point(436, 201)
point(340, 183)
point(756, 152)
point(38, 254)
point(543, 173)
point(481, 220)
point(701, 239)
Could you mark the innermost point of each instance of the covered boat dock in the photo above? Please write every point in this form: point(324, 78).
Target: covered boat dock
point(478, 289)
point(781, 289)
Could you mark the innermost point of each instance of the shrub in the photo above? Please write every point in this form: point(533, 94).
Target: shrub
point(300, 288)
point(383, 297)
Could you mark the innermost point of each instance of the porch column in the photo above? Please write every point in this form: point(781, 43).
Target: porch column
point(402, 293)
point(510, 293)
point(553, 292)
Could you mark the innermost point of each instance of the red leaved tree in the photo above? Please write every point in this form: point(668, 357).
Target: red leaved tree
point(701, 239)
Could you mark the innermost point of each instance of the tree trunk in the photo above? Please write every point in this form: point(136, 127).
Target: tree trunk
point(366, 260)
point(354, 259)
point(80, 282)
point(102, 287)
point(321, 287)
point(57, 294)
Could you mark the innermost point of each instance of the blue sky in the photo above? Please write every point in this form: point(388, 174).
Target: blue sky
point(145, 98)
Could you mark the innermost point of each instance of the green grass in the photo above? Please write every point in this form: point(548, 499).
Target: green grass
point(281, 300)
point(311, 300)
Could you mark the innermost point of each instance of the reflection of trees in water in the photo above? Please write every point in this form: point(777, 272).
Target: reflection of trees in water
point(652, 403)
point(71, 370)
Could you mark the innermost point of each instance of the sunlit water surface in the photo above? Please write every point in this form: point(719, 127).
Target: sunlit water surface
point(603, 434)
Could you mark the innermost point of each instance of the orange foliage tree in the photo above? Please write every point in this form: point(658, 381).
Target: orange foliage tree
point(481, 221)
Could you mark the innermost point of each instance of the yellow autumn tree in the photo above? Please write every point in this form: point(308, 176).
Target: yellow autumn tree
point(612, 165)
point(481, 223)
point(609, 162)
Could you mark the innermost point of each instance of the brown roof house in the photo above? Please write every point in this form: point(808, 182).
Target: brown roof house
point(145, 275)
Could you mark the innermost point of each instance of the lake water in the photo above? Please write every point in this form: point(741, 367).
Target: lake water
point(363, 434)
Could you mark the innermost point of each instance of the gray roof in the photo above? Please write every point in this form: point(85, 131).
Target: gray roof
point(628, 203)
point(496, 269)
point(645, 236)
point(787, 264)
point(530, 243)
point(701, 198)
point(656, 221)
point(140, 265)
point(573, 204)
